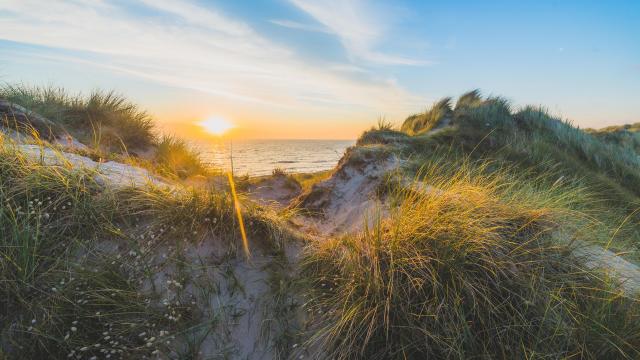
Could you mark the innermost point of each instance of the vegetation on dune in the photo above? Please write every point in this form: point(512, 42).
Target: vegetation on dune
point(470, 266)
point(75, 256)
point(173, 156)
point(112, 126)
point(103, 119)
point(307, 180)
point(419, 123)
point(490, 128)
point(626, 135)
point(383, 133)
point(474, 258)
point(471, 98)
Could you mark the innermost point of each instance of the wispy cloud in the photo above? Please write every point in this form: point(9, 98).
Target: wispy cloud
point(358, 26)
point(300, 26)
point(188, 46)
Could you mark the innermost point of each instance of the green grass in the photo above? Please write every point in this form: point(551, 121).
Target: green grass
point(625, 135)
point(75, 257)
point(307, 180)
point(113, 128)
point(474, 259)
point(173, 156)
point(470, 267)
point(533, 140)
point(419, 123)
point(103, 119)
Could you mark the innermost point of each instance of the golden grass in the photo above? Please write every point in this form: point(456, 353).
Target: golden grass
point(469, 266)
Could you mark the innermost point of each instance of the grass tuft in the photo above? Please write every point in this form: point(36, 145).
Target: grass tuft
point(104, 119)
point(420, 123)
point(174, 156)
point(468, 267)
point(75, 258)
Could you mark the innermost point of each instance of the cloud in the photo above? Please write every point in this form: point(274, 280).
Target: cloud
point(358, 27)
point(188, 46)
point(300, 26)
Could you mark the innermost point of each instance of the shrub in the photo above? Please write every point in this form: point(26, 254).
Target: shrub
point(278, 172)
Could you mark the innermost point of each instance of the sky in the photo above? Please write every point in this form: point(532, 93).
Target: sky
point(328, 68)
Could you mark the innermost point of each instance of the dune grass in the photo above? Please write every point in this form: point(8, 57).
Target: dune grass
point(174, 156)
point(625, 135)
point(105, 119)
point(474, 261)
point(419, 123)
point(307, 180)
point(113, 128)
point(532, 138)
point(477, 264)
point(75, 256)
point(59, 294)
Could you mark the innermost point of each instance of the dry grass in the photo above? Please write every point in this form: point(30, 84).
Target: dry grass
point(102, 119)
point(174, 157)
point(74, 254)
point(469, 267)
point(420, 123)
point(112, 127)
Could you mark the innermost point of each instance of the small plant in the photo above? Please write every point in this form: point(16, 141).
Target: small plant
point(173, 156)
point(469, 99)
point(420, 123)
point(384, 125)
point(278, 172)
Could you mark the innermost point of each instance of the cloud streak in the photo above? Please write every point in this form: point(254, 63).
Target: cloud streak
point(358, 27)
point(300, 26)
point(187, 46)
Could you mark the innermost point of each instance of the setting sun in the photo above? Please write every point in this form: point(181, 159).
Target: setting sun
point(216, 125)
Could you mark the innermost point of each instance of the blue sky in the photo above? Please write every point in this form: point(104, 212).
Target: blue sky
point(329, 69)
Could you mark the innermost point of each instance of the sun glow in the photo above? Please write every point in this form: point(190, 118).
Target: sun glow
point(216, 125)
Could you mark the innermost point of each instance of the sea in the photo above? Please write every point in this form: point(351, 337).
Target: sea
point(261, 157)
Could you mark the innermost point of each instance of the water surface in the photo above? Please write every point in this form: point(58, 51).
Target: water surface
point(260, 157)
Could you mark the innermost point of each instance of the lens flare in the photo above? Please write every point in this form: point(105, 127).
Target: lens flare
point(236, 203)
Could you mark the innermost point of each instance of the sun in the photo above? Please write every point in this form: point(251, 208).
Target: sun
point(216, 125)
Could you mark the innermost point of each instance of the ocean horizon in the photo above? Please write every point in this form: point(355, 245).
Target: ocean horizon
point(256, 157)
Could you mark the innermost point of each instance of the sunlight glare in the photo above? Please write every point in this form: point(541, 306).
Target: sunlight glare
point(216, 125)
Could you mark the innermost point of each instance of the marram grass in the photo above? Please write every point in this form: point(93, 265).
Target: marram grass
point(493, 128)
point(469, 267)
point(74, 256)
point(110, 125)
